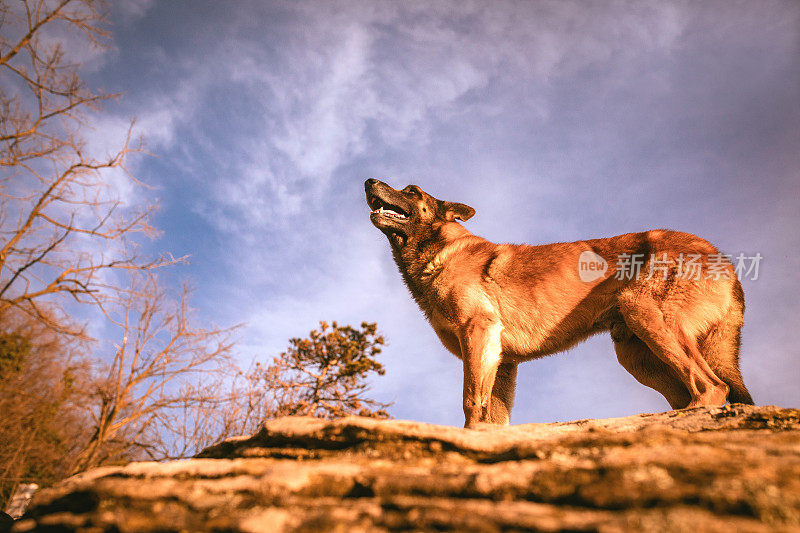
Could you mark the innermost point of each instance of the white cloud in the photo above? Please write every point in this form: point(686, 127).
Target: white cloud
point(334, 88)
point(132, 10)
point(356, 77)
point(347, 79)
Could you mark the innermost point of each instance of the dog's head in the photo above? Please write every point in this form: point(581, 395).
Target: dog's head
point(410, 213)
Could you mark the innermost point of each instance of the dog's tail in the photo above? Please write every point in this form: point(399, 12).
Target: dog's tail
point(720, 347)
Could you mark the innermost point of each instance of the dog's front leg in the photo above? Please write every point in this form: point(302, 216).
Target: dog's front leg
point(480, 351)
point(503, 394)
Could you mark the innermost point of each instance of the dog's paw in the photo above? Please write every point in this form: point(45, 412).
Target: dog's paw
point(483, 426)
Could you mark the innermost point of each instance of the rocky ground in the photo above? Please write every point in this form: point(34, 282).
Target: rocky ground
point(735, 468)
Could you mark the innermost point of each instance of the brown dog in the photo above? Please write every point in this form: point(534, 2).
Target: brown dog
point(672, 302)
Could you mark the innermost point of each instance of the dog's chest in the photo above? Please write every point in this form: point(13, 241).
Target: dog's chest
point(446, 331)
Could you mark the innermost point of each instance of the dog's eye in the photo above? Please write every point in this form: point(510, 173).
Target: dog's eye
point(413, 189)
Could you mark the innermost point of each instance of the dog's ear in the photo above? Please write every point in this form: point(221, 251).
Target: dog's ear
point(455, 210)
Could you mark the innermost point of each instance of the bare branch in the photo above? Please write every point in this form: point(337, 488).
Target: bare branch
point(59, 210)
point(152, 373)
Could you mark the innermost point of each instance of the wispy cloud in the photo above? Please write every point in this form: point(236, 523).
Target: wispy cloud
point(556, 120)
point(350, 82)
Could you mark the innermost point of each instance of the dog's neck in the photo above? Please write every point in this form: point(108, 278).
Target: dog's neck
point(419, 261)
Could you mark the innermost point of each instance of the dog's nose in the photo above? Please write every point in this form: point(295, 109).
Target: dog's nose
point(371, 181)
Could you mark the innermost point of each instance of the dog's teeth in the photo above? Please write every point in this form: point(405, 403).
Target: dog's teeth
point(388, 212)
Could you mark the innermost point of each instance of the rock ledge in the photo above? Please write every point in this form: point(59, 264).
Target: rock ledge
point(730, 468)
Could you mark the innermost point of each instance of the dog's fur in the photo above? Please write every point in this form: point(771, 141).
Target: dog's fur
point(495, 305)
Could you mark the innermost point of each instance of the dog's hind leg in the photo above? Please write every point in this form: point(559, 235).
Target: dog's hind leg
point(720, 347)
point(646, 320)
point(649, 370)
point(503, 394)
point(480, 349)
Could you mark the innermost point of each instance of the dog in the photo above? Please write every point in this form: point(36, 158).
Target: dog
point(496, 305)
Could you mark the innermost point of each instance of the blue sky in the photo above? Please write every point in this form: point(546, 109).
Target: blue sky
point(556, 121)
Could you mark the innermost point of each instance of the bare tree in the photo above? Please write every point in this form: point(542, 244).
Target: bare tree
point(228, 406)
point(64, 229)
point(324, 375)
point(172, 389)
point(67, 236)
point(162, 367)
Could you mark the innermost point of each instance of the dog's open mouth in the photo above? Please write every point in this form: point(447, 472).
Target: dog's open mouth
point(379, 207)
